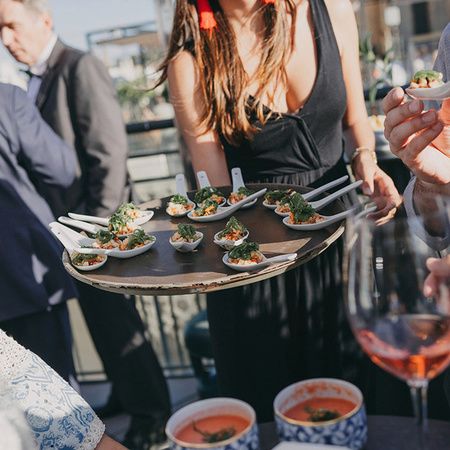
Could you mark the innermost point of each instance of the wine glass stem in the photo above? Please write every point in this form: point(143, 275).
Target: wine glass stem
point(419, 391)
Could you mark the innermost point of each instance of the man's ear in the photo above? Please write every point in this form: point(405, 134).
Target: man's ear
point(47, 20)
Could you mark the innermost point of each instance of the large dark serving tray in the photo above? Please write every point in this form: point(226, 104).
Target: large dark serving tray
point(162, 270)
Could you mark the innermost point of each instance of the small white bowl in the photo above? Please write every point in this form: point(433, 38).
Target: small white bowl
point(246, 440)
point(186, 247)
point(228, 244)
point(268, 205)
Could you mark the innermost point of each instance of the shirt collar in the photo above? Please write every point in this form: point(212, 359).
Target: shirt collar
point(42, 62)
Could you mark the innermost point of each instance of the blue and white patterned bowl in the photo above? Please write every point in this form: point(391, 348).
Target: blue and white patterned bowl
point(246, 440)
point(349, 430)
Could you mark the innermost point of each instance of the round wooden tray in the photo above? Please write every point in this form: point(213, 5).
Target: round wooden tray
point(164, 271)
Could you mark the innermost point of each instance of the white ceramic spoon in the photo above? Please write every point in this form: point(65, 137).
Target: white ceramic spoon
point(203, 181)
point(84, 244)
point(228, 244)
point(224, 212)
point(180, 188)
point(315, 192)
point(326, 200)
point(257, 266)
point(71, 250)
point(328, 220)
point(238, 182)
point(437, 93)
point(88, 227)
point(186, 247)
point(144, 217)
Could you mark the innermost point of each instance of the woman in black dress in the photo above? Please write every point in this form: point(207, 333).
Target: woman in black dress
point(268, 86)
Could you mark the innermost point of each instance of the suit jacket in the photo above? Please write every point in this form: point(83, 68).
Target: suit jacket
point(31, 274)
point(77, 100)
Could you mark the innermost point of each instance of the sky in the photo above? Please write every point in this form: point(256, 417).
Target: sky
point(74, 18)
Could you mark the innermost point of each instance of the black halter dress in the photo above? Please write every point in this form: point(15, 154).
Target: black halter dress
point(270, 334)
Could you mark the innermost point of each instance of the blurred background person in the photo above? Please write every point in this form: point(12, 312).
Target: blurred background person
point(34, 285)
point(75, 96)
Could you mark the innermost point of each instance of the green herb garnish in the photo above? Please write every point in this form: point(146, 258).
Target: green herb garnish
point(125, 208)
point(187, 232)
point(104, 236)
point(244, 191)
point(300, 209)
point(321, 414)
point(232, 225)
point(205, 193)
point(429, 75)
point(200, 211)
point(81, 258)
point(117, 222)
point(273, 196)
point(243, 251)
point(221, 435)
point(138, 237)
point(179, 199)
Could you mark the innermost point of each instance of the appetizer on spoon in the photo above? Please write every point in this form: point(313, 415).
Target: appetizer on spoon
point(107, 243)
point(240, 191)
point(179, 204)
point(206, 191)
point(136, 215)
point(272, 198)
point(234, 234)
point(210, 211)
point(80, 261)
point(186, 238)
point(246, 257)
point(428, 85)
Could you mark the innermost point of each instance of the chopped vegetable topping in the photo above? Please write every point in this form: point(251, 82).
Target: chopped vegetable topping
point(301, 211)
point(82, 259)
point(187, 232)
point(178, 198)
point(244, 251)
point(205, 193)
point(234, 229)
point(220, 435)
point(104, 236)
point(426, 79)
point(138, 238)
point(321, 414)
point(208, 208)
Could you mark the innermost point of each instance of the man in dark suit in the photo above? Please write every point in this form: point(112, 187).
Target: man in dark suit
point(33, 283)
point(75, 95)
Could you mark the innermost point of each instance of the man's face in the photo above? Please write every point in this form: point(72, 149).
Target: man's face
point(24, 32)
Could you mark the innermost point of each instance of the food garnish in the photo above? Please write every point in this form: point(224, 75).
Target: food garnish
point(208, 192)
point(245, 253)
point(207, 208)
point(104, 236)
point(241, 193)
point(138, 239)
point(234, 230)
point(301, 211)
point(82, 259)
point(186, 233)
point(178, 198)
point(120, 224)
point(321, 414)
point(278, 196)
point(128, 209)
point(221, 435)
point(426, 79)
point(178, 204)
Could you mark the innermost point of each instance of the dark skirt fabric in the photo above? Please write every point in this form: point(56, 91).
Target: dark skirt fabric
point(270, 334)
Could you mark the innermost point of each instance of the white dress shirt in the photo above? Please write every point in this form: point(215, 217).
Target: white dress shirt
point(38, 69)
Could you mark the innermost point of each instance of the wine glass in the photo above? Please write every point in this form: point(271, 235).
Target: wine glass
point(404, 331)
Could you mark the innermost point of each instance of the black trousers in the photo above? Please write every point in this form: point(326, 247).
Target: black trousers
point(47, 334)
point(128, 357)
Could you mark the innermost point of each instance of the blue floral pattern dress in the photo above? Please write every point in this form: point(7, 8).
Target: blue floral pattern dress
point(56, 414)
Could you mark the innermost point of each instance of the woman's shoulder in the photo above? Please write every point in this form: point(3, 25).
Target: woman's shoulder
point(339, 10)
point(182, 71)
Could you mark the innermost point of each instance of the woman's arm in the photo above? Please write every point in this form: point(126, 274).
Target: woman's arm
point(359, 134)
point(205, 149)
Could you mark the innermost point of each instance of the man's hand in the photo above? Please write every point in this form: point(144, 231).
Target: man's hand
point(410, 132)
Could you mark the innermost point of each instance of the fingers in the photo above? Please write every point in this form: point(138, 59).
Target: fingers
point(430, 285)
point(402, 113)
point(439, 267)
point(393, 99)
point(402, 133)
point(419, 143)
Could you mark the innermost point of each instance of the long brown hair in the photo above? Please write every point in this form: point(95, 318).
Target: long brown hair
point(223, 80)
